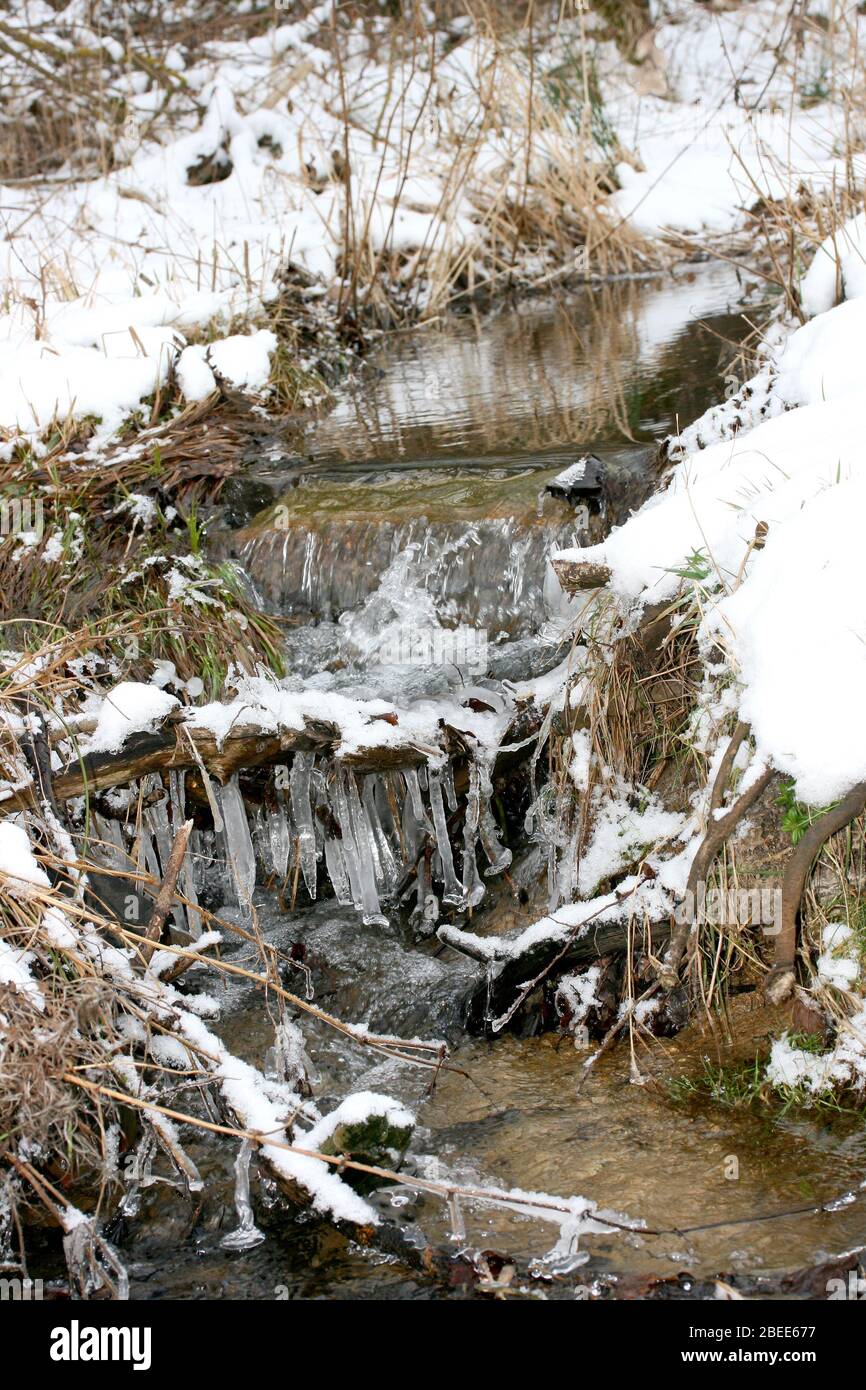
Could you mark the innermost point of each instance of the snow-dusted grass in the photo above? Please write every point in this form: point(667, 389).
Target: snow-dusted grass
point(394, 164)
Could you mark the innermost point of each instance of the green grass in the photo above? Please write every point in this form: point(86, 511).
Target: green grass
point(741, 1085)
point(797, 817)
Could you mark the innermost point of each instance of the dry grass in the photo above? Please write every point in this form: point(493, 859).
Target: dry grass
point(57, 112)
point(549, 208)
point(134, 589)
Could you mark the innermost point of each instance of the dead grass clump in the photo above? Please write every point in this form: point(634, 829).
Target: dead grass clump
point(118, 559)
point(39, 1113)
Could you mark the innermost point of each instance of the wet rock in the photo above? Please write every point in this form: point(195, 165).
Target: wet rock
point(242, 498)
point(376, 1141)
point(581, 481)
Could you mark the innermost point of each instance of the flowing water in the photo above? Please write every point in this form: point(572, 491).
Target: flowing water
point(420, 498)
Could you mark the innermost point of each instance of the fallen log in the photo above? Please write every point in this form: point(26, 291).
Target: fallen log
point(495, 992)
point(178, 745)
point(576, 575)
point(181, 744)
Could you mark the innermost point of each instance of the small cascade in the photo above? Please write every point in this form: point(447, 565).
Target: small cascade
point(487, 573)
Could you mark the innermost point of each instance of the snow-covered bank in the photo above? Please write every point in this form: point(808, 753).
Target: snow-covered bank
point(787, 612)
point(407, 169)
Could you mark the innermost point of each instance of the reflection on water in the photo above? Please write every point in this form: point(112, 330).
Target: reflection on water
point(614, 362)
point(634, 1150)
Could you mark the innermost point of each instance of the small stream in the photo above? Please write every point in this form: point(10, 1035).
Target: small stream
point(423, 493)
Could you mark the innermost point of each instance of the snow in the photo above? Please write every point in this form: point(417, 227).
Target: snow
point(271, 708)
point(726, 130)
point(15, 972)
point(150, 255)
point(355, 1110)
point(20, 871)
point(839, 964)
point(194, 376)
point(843, 1066)
point(838, 268)
point(129, 708)
point(244, 358)
point(801, 473)
point(244, 1089)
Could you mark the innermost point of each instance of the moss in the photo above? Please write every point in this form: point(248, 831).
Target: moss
point(375, 1141)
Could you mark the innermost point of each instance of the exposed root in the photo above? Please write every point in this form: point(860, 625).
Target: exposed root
point(718, 832)
point(780, 982)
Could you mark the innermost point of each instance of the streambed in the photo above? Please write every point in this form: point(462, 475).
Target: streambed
point(423, 492)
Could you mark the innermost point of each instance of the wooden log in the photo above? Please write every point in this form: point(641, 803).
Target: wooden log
point(577, 575)
point(177, 745)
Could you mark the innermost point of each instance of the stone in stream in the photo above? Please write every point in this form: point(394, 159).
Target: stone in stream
point(379, 1140)
point(581, 480)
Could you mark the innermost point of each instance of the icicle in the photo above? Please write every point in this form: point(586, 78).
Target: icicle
point(261, 839)
point(552, 879)
point(473, 888)
point(278, 830)
point(146, 863)
point(413, 786)
point(366, 852)
point(497, 854)
point(388, 810)
point(411, 832)
point(299, 786)
point(156, 816)
point(458, 1225)
point(247, 1233)
point(240, 855)
point(203, 857)
point(391, 814)
point(426, 911)
point(453, 890)
point(448, 787)
point(112, 850)
point(388, 874)
point(137, 1174)
point(347, 840)
point(336, 866)
point(92, 1263)
point(288, 1060)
